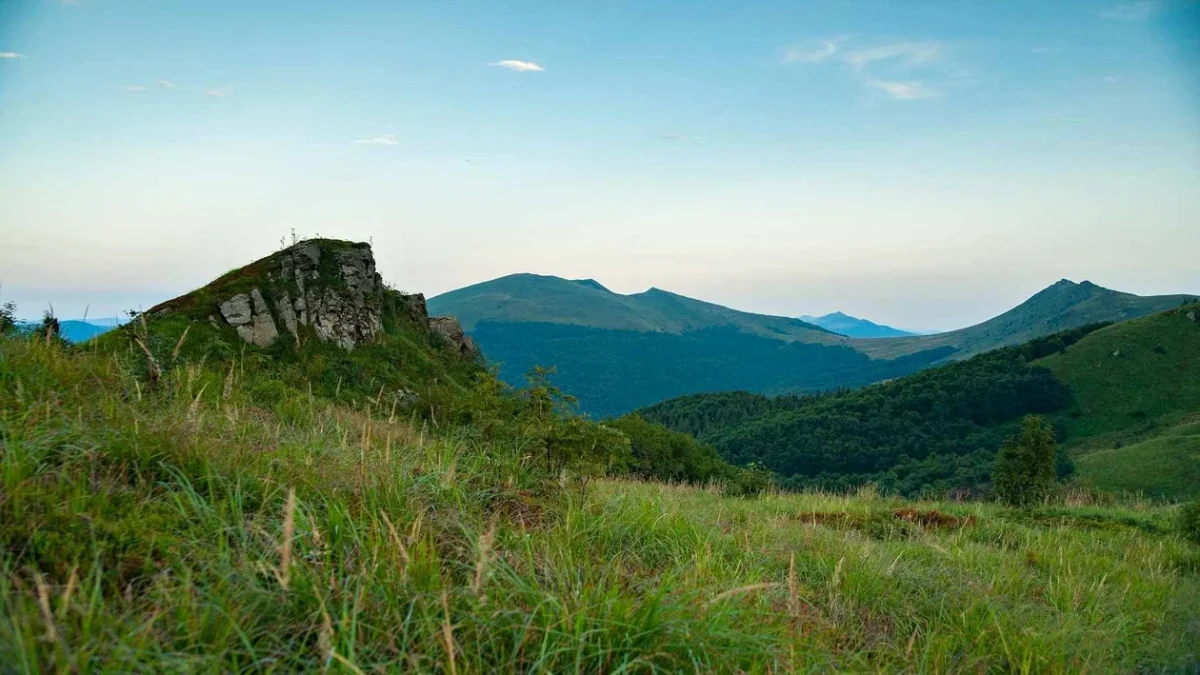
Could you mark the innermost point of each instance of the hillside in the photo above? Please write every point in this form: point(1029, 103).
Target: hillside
point(619, 352)
point(850, 326)
point(1104, 387)
point(230, 519)
point(531, 298)
point(1059, 307)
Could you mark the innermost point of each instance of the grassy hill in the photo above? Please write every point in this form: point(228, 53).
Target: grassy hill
point(1059, 307)
point(234, 520)
point(1136, 388)
point(1125, 390)
point(619, 352)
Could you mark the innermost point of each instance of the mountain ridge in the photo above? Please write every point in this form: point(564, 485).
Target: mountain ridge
point(852, 326)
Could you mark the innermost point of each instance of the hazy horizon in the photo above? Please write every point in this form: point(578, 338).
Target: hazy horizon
point(924, 167)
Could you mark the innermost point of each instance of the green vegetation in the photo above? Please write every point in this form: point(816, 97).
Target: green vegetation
point(173, 499)
point(614, 371)
point(1189, 521)
point(1123, 400)
point(617, 353)
point(1024, 472)
point(1166, 466)
point(210, 525)
point(935, 430)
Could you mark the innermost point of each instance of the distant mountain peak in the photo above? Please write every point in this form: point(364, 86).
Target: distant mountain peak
point(852, 326)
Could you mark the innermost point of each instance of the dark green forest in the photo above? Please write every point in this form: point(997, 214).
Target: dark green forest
point(612, 372)
point(935, 430)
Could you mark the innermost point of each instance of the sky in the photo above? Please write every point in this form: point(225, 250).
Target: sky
point(922, 164)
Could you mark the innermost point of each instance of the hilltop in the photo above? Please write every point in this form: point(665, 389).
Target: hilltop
point(620, 352)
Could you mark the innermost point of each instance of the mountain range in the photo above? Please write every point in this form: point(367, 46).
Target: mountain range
point(619, 352)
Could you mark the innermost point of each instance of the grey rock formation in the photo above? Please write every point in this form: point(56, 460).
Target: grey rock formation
point(237, 310)
point(262, 331)
point(451, 330)
point(336, 292)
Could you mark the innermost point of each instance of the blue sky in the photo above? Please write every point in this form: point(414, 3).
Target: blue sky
point(926, 164)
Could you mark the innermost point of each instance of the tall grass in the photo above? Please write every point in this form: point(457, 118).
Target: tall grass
point(192, 528)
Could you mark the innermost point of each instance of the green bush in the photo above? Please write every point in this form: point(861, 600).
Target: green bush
point(1189, 521)
point(1025, 468)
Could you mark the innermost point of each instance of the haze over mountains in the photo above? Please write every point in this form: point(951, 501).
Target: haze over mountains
point(620, 352)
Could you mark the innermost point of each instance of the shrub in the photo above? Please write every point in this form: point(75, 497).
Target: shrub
point(1025, 468)
point(1189, 521)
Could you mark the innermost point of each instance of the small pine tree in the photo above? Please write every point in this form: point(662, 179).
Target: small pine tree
point(1024, 472)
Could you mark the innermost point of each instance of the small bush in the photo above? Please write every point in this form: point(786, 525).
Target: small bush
point(1189, 521)
point(1025, 468)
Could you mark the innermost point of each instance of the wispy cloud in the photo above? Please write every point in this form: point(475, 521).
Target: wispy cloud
point(881, 67)
point(167, 84)
point(385, 139)
point(134, 88)
point(904, 91)
point(215, 93)
point(812, 54)
point(519, 66)
point(904, 53)
point(1046, 50)
point(1113, 79)
point(11, 55)
point(1132, 11)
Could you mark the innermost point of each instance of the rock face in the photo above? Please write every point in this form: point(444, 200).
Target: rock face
point(451, 330)
point(320, 288)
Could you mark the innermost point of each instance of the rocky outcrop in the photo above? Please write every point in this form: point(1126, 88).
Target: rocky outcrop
point(451, 331)
point(325, 289)
point(251, 317)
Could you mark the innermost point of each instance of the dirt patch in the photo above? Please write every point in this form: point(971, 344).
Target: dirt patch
point(520, 508)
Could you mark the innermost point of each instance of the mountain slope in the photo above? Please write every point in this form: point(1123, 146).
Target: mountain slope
point(851, 326)
point(1059, 307)
point(1132, 382)
point(532, 298)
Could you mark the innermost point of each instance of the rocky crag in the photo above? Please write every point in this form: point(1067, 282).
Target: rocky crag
point(320, 289)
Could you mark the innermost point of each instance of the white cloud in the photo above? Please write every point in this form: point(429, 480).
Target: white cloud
point(215, 93)
point(11, 55)
point(1046, 50)
point(135, 88)
point(905, 53)
point(519, 66)
point(1113, 79)
point(904, 91)
point(798, 54)
point(385, 139)
point(1132, 11)
point(167, 84)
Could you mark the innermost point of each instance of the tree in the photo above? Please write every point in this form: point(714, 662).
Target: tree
point(8, 318)
point(1025, 470)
